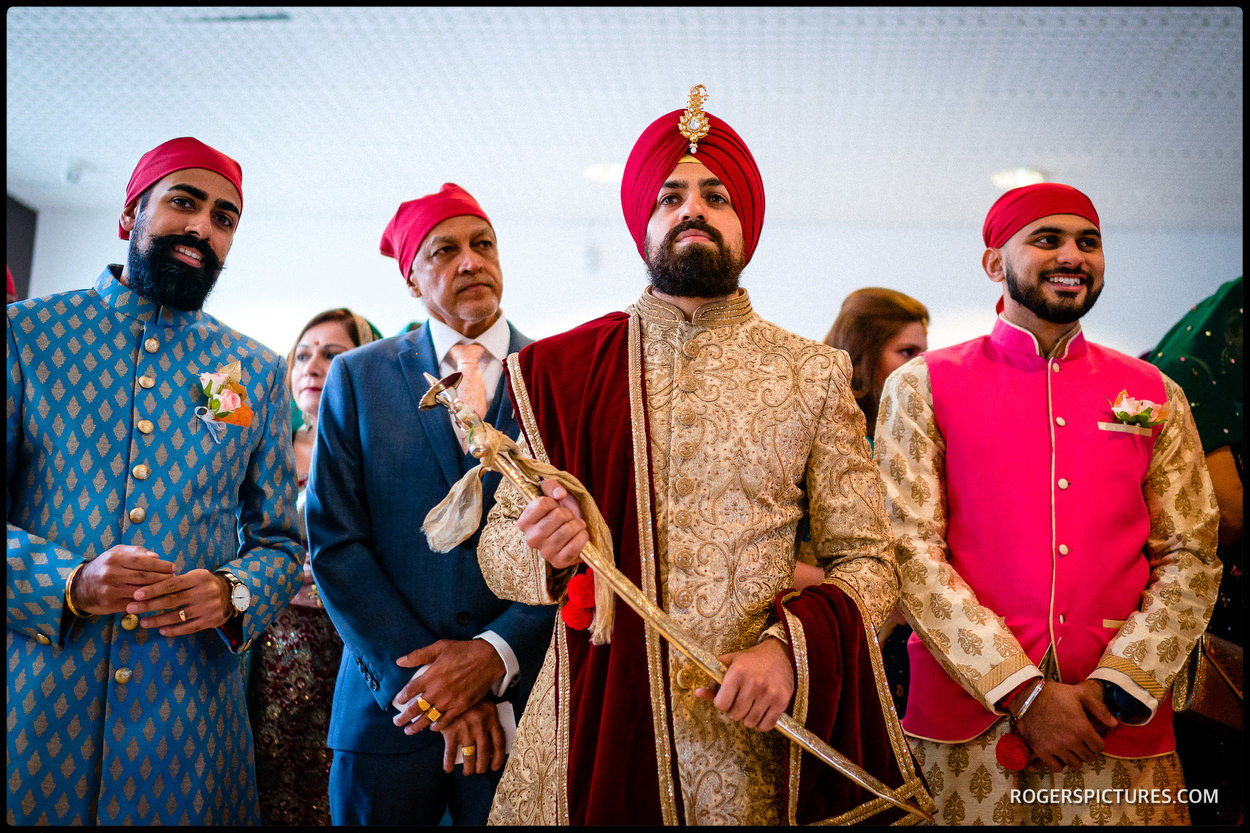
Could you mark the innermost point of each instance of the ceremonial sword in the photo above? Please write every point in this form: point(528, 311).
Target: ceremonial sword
point(443, 392)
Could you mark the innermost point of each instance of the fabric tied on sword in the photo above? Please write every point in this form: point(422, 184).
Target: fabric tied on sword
point(457, 516)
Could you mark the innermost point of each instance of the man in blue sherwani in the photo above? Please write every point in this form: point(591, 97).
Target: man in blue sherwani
point(379, 466)
point(151, 532)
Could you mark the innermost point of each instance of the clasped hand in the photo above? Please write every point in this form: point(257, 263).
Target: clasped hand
point(132, 579)
point(1066, 725)
point(460, 674)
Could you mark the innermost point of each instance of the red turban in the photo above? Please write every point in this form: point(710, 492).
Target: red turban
point(654, 157)
point(177, 155)
point(414, 219)
point(1020, 206)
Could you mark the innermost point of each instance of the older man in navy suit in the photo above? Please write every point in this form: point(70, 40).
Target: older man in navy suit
point(426, 643)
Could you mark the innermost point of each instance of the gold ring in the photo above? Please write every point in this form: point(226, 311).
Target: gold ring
point(433, 714)
point(182, 614)
point(422, 704)
point(469, 750)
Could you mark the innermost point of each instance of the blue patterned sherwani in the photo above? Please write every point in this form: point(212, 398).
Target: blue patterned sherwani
point(107, 722)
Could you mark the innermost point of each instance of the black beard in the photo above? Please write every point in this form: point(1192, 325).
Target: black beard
point(161, 278)
point(1035, 301)
point(699, 271)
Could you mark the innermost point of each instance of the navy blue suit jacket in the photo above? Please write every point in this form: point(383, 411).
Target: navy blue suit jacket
point(380, 465)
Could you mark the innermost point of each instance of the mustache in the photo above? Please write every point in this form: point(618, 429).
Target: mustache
point(167, 243)
point(1073, 271)
point(694, 224)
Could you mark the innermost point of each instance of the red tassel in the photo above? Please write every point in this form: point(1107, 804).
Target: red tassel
point(577, 618)
point(582, 590)
point(1012, 752)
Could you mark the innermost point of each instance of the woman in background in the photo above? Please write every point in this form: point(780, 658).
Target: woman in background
point(294, 664)
point(881, 329)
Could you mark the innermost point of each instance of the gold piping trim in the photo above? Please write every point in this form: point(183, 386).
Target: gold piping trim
point(999, 673)
point(1135, 674)
point(912, 786)
point(802, 686)
point(525, 410)
point(562, 724)
point(525, 415)
point(646, 554)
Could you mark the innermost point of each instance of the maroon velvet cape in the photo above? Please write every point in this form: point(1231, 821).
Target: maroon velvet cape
point(578, 386)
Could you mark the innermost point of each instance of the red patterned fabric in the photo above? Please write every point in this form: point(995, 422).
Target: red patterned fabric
point(176, 155)
point(654, 157)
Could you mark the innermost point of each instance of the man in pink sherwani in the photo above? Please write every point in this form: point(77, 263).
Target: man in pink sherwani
point(1057, 550)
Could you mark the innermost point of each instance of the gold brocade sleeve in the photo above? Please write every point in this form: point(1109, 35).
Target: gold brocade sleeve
point(512, 569)
point(1152, 644)
point(851, 534)
point(937, 602)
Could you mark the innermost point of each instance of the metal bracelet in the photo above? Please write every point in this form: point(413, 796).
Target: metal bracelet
point(1028, 701)
point(69, 591)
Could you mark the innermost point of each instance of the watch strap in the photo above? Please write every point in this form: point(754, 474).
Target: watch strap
point(232, 581)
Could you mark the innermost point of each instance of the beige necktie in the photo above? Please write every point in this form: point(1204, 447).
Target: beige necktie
point(472, 388)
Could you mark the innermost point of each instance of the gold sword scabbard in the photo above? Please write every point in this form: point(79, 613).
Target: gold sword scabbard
point(443, 392)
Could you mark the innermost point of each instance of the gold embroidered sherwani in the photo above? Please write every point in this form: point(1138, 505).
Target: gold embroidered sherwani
point(750, 426)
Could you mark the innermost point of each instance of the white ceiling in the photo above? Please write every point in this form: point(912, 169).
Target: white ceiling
point(891, 116)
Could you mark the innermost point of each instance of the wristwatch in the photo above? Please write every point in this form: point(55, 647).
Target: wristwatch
point(240, 596)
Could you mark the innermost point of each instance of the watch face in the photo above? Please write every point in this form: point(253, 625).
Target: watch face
point(241, 597)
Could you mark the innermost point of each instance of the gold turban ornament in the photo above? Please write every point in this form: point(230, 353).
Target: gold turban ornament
point(693, 123)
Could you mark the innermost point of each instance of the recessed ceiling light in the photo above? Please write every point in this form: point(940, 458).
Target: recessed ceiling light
point(610, 172)
point(1017, 177)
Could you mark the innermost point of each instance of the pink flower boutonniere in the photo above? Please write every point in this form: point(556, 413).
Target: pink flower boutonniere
point(1141, 412)
point(227, 400)
point(1135, 416)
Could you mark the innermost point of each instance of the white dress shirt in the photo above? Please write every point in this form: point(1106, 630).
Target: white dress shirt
point(495, 340)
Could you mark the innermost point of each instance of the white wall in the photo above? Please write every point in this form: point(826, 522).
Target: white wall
point(559, 273)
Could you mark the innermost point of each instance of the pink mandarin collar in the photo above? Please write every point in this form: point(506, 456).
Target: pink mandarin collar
point(1019, 340)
